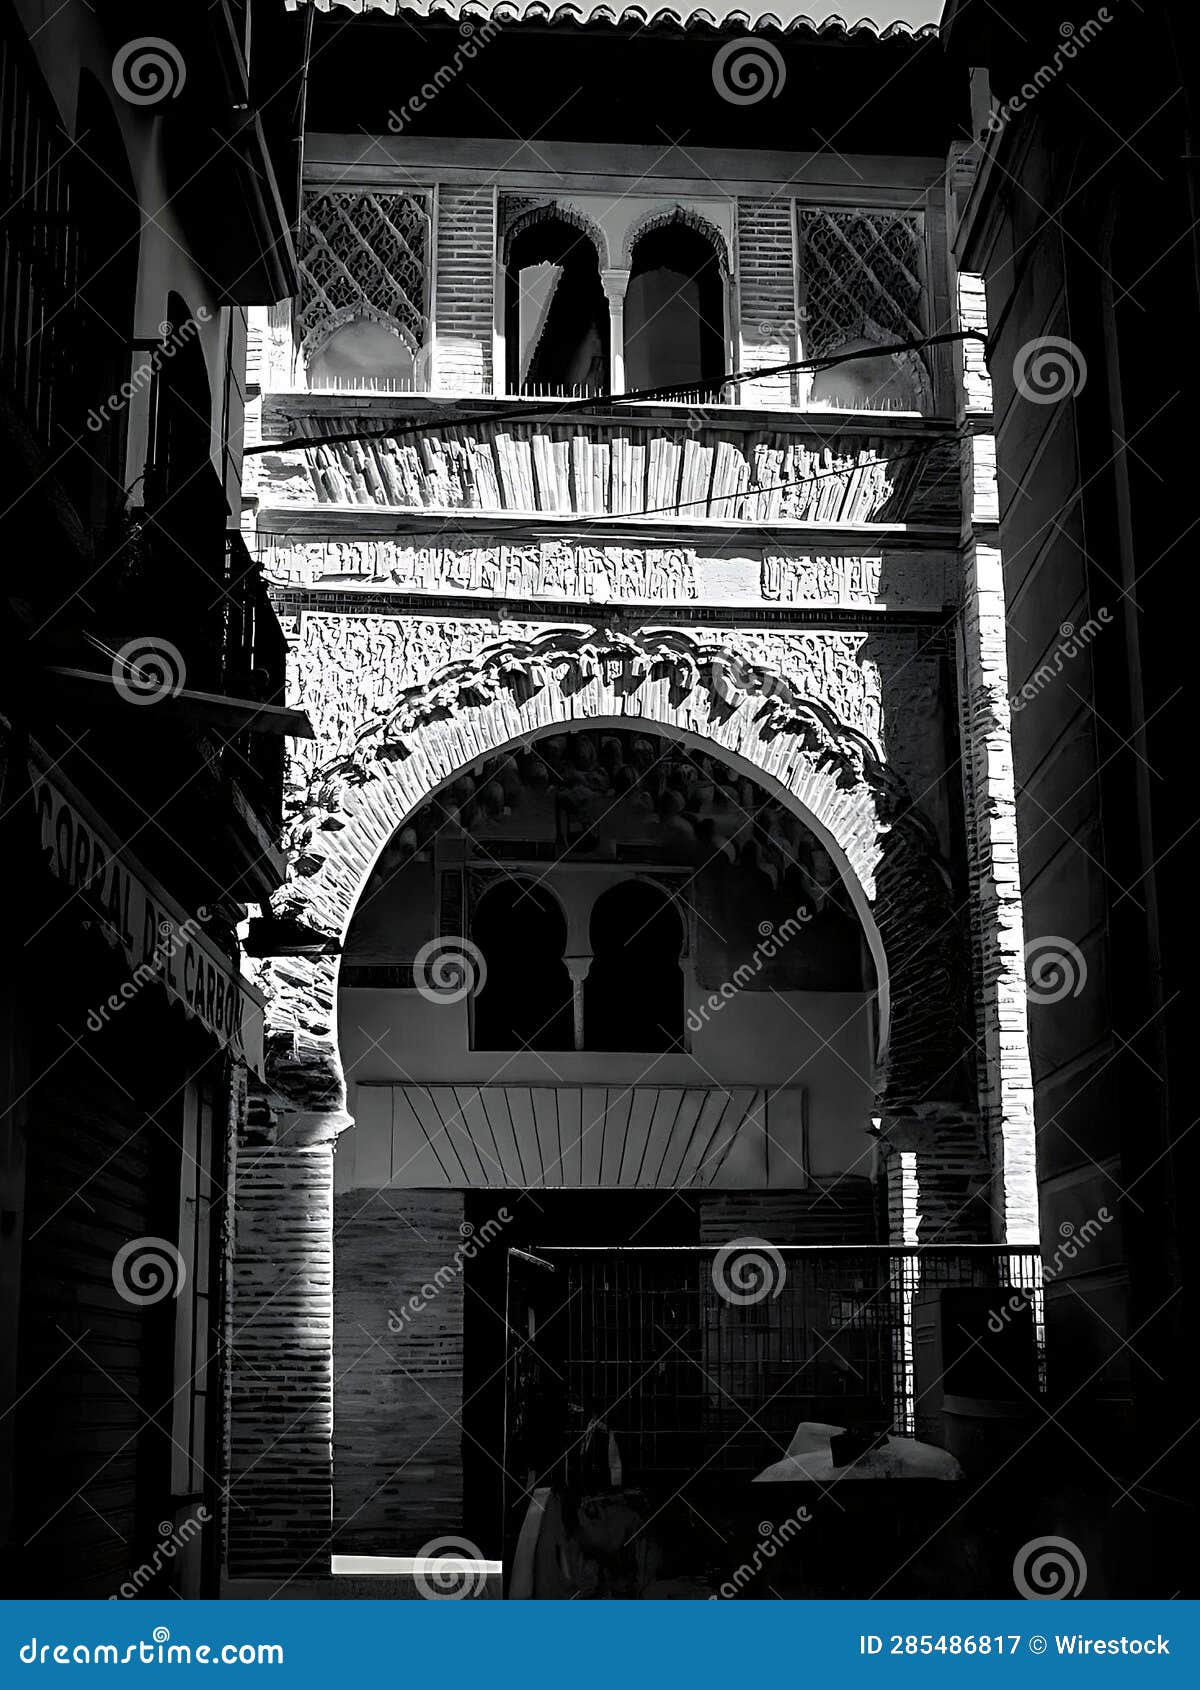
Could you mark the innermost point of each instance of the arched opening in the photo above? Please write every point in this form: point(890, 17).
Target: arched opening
point(675, 312)
point(364, 354)
point(673, 1013)
point(483, 765)
point(525, 1001)
point(555, 313)
point(633, 997)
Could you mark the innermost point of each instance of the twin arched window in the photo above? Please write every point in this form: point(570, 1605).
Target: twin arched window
point(557, 320)
point(631, 998)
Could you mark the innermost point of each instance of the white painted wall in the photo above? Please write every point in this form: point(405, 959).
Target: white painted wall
point(819, 1041)
point(67, 39)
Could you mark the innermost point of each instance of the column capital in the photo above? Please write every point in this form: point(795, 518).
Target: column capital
point(615, 283)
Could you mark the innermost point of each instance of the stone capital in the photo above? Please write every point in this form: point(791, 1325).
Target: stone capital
point(615, 283)
point(312, 1129)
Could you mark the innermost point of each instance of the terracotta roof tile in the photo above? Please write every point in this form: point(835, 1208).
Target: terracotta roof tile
point(821, 22)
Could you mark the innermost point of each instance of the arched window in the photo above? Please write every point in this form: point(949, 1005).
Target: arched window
point(363, 353)
point(526, 999)
point(555, 312)
point(674, 311)
point(633, 995)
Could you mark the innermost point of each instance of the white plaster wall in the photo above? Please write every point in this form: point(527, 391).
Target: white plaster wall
point(67, 39)
point(819, 1041)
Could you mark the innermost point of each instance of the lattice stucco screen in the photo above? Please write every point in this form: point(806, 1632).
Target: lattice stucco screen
point(363, 255)
point(862, 277)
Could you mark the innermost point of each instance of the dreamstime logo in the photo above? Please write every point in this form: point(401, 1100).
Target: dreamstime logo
point(1072, 641)
point(473, 40)
point(170, 938)
point(1072, 1240)
point(1055, 968)
point(173, 1539)
point(473, 1241)
point(1049, 369)
point(148, 1270)
point(772, 939)
point(1071, 40)
point(771, 1540)
point(747, 1270)
point(1049, 1569)
point(448, 1569)
point(147, 670)
point(791, 329)
point(149, 70)
point(449, 969)
point(748, 70)
point(173, 337)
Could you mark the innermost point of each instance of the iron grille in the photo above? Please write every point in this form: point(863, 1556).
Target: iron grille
point(642, 1344)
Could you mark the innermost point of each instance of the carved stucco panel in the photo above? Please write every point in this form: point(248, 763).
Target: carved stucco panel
point(348, 670)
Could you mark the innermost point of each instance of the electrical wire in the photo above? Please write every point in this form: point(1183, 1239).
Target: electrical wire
point(584, 520)
point(569, 407)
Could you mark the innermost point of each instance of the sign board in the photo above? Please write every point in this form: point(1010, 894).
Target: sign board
point(161, 944)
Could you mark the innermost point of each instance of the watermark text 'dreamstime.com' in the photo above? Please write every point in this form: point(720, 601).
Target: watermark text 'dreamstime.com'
point(156, 1650)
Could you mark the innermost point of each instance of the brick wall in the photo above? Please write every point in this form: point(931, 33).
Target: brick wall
point(281, 1372)
point(397, 1451)
point(767, 294)
point(845, 1214)
point(465, 285)
point(936, 1169)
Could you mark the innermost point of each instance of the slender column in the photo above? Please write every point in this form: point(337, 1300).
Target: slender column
point(577, 968)
point(615, 283)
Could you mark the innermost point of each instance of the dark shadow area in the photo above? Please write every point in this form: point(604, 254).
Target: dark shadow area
point(674, 312)
point(555, 313)
point(526, 1002)
point(633, 995)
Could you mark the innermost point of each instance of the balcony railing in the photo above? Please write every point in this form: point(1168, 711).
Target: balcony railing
point(176, 581)
point(254, 667)
point(697, 1365)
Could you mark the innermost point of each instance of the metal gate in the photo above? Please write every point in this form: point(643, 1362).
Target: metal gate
point(696, 1363)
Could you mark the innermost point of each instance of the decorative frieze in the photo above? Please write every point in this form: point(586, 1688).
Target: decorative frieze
point(349, 670)
point(694, 464)
point(799, 578)
point(587, 571)
point(555, 569)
